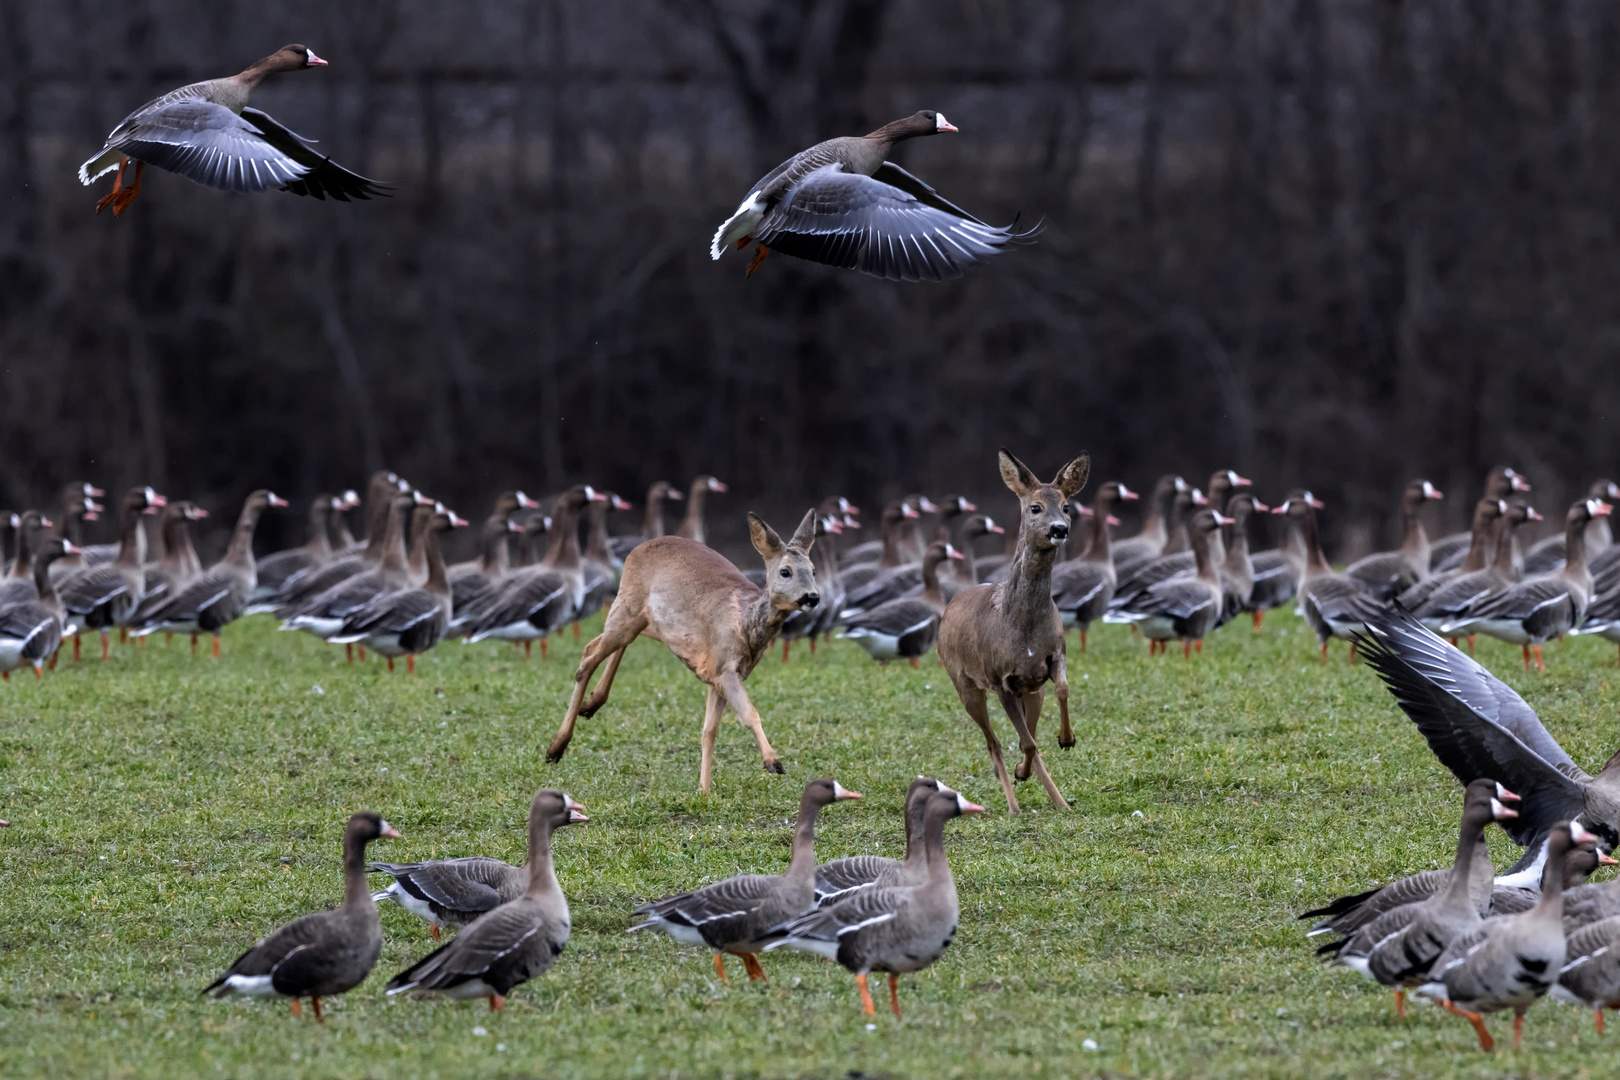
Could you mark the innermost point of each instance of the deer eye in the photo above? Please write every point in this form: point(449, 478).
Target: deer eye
point(1036, 508)
point(786, 571)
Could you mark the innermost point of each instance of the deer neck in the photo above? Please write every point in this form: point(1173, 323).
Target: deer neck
point(1026, 592)
point(760, 623)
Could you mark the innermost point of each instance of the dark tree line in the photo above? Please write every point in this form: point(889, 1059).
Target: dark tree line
point(1331, 242)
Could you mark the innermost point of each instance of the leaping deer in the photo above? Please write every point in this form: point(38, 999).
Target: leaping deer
point(719, 623)
point(1007, 638)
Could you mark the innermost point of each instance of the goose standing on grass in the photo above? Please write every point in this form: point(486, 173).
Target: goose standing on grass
point(323, 613)
point(1510, 962)
point(1463, 590)
point(1181, 608)
point(1547, 556)
point(451, 892)
point(1277, 571)
point(476, 579)
point(408, 621)
point(515, 942)
point(1389, 573)
point(274, 570)
point(691, 525)
point(179, 564)
point(843, 204)
point(494, 560)
point(1448, 552)
point(337, 525)
point(33, 529)
point(31, 630)
point(319, 955)
point(1149, 541)
point(1538, 609)
point(1335, 605)
point(733, 916)
point(1590, 976)
point(1478, 726)
point(104, 596)
point(205, 132)
point(859, 570)
point(1487, 512)
point(907, 627)
point(1399, 947)
point(596, 561)
point(652, 520)
point(966, 573)
point(896, 930)
point(79, 506)
point(840, 878)
point(1237, 568)
point(214, 599)
point(1083, 587)
point(300, 589)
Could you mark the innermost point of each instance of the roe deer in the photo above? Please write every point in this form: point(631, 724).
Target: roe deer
point(1007, 638)
point(719, 623)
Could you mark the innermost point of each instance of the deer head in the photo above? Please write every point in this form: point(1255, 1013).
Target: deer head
point(790, 579)
point(1043, 509)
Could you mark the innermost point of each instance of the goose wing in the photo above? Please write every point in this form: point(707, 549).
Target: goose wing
point(455, 884)
point(862, 223)
point(321, 176)
point(508, 937)
point(186, 133)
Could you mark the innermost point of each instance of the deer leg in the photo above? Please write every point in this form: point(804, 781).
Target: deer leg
point(582, 677)
point(712, 708)
point(1015, 709)
point(603, 685)
point(973, 701)
point(1032, 716)
point(731, 686)
point(1060, 690)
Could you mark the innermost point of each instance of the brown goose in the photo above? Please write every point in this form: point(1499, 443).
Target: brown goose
point(691, 525)
point(300, 589)
point(205, 132)
point(494, 561)
point(840, 878)
point(1486, 513)
point(31, 629)
point(79, 505)
point(1335, 606)
point(1448, 552)
point(1083, 587)
point(1465, 589)
point(1389, 573)
point(908, 626)
point(323, 613)
point(1181, 608)
point(319, 955)
point(1548, 555)
point(733, 916)
point(179, 564)
point(214, 599)
point(897, 930)
point(652, 519)
point(33, 529)
point(596, 561)
point(1237, 567)
point(865, 561)
point(1512, 961)
point(342, 539)
point(411, 620)
point(101, 597)
point(841, 203)
point(508, 945)
point(274, 570)
point(1149, 542)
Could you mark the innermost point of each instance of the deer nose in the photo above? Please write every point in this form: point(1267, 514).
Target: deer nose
point(1058, 531)
point(809, 600)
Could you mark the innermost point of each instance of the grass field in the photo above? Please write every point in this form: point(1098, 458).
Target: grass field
point(167, 811)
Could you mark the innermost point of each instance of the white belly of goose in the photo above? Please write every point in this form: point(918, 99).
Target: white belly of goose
point(321, 626)
point(740, 224)
point(413, 904)
point(678, 931)
point(255, 986)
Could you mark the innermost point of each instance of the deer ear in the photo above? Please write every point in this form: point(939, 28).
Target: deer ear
point(1016, 475)
point(1073, 476)
point(766, 542)
point(805, 534)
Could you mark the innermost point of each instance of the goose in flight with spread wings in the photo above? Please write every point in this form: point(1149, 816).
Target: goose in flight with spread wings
point(207, 133)
point(843, 204)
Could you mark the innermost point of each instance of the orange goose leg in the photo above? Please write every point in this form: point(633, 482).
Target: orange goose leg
point(759, 259)
point(121, 203)
point(542, 648)
point(1352, 652)
point(497, 1002)
point(360, 653)
point(1400, 1004)
point(1486, 1043)
point(720, 967)
point(118, 186)
point(1526, 650)
point(1186, 650)
point(315, 1001)
point(38, 674)
point(1597, 1014)
point(433, 928)
point(75, 648)
point(1198, 646)
point(755, 972)
point(576, 631)
point(390, 664)
point(1324, 652)
point(297, 1008)
point(193, 644)
point(123, 635)
point(1082, 641)
point(812, 644)
point(866, 996)
point(216, 646)
point(914, 665)
point(1518, 1028)
point(6, 675)
point(104, 640)
point(168, 637)
point(894, 993)
point(1259, 617)
point(410, 664)
point(1540, 664)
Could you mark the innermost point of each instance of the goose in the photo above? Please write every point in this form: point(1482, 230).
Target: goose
point(857, 570)
point(897, 930)
point(907, 579)
point(1184, 608)
point(807, 624)
point(1463, 590)
point(1478, 726)
point(966, 573)
point(470, 586)
point(1512, 961)
point(596, 561)
point(179, 564)
point(1537, 609)
point(1083, 587)
point(691, 525)
point(1547, 555)
point(385, 487)
point(1335, 606)
point(1149, 541)
point(1448, 552)
point(909, 626)
point(104, 596)
point(1182, 507)
point(841, 203)
point(215, 598)
point(1487, 513)
point(537, 601)
point(319, 955)
point(205, 132)
point(79, 506)
point(841, 878)
point(1590, 976)
point(323, 613)
point(1388, 573)
point(1399, 947)
point(510, 944)
point(734, 915)
point(408, 621)
point(275, 569)
point(451, 892)
point(1237, 568)
point(33, 529)
point(337, 524)
point(494, 553)
point(31, 630)
point(652, 519)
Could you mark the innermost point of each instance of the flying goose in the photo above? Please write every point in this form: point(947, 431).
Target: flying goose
point(205, 132)
point(840, 878)
point(898, 929)
point(843, 204)
point(733, 916)
point(510, 944)
point(319, 955)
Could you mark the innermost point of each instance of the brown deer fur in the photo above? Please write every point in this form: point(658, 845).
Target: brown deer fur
point(1007, 638)
point(719, 623)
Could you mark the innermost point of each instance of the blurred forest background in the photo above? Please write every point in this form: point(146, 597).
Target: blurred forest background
point(1328, 242)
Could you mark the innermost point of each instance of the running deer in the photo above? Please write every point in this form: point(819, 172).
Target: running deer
point(1007, 638)
point(719, 623)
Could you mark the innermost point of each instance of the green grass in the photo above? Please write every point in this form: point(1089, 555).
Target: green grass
point(167, 811)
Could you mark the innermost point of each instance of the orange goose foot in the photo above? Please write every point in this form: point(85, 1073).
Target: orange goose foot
point(1259, 617)
point(1400, 1004)
point(297, 1009)
point(1082, 641)
point(497, 1002)
point(866, 996)
point(360, 651)
point(894, 993)
point(348, 652)
point(755, 972)
point(315, 1001)
point(216, 646)
point(433, 928)
point(542, 648)
point(390, 664)
point(1324, 652)
point(410, 664)
point(120, 203)
point(1486, 1043)
point(1540, 664)
point(1597, 1015)
point(1352, 652)
point(104, 644)
point(118, 186)
point(1518, 1029)
point(1526, 650)
point(786, 645)
point(720, 967)
point(758, 260)
point(576, 631)
point(914, 665)
point(75, 648)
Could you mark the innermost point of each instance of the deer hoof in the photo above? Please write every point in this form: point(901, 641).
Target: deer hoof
point(554, 754)
point(774, 766)
point(1021, 773)
point(1069, 745)
point(588, 710)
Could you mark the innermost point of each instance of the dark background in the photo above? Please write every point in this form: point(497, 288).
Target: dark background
point(1332, 243)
